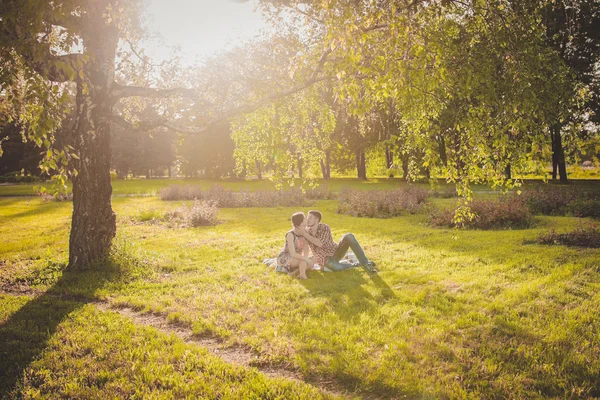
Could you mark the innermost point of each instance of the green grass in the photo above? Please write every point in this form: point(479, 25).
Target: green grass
point(132, 187)
point(153, 186)
point(92, 354)
point(452, 314)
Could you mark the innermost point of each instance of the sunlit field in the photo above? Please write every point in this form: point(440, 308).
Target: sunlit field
point(153, 153)
point(451, 314)
point(578, 176)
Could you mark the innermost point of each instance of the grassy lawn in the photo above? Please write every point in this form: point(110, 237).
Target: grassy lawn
point(152, 186)
point(452, 314)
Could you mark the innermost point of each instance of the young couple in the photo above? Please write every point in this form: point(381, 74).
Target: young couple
point(310, 233)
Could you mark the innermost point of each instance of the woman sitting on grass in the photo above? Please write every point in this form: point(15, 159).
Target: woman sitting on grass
point(294, 256)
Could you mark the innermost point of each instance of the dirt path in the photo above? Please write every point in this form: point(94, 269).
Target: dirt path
point(238, 355)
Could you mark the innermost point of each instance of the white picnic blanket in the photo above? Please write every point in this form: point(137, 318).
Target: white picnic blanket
point(272, 262)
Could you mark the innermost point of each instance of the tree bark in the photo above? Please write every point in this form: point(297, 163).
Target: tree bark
point(442, 150)
point(508, 172)
point(405, 166)
point(94, 222)
point(325, 167)
point(389, 159)
point(258, 170)
point(361, 165)
point(558, 155)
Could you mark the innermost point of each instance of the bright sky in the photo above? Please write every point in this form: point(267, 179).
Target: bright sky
point(201, 27)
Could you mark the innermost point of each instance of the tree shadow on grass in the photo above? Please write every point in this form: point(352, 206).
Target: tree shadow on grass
point(34, 209)
point(25, 334)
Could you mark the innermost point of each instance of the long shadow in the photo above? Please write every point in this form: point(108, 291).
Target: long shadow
point(36, 209)
point(348, 296)
point(25, 334)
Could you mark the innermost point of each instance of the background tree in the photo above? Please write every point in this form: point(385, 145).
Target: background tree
point(573, 31)
point(18, 155)
point(211, 154)
point(36, 46)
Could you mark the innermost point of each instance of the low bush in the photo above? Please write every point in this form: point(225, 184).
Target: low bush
point(148, 215)
point(181, 192)
point(321, 193)
point(551, 200)
point(201, 213)
point(548, 200)
point(18, 178)
point(381, 203)
point(225, 198)
point(506, 213)
point(57, 197)
point(582, 236)
point(445, 193)
point(584, 208)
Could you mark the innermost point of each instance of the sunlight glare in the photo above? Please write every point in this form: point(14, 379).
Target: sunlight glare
point(202, 28)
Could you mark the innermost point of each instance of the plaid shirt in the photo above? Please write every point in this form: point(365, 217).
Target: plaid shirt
point(328, 246)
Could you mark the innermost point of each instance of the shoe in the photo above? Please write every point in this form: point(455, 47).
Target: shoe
point(371, 267)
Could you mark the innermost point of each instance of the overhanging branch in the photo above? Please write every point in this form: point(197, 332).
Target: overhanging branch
point(119, 92)
point(124, 91)
point(145, 126)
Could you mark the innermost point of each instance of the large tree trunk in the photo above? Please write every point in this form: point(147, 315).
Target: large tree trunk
point(558, 154)
point(361, 167)
point(94, 223)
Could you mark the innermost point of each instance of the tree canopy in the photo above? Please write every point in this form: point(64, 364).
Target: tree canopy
point(468, 90)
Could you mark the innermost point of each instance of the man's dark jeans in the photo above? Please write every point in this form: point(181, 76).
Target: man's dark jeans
point(348, 241)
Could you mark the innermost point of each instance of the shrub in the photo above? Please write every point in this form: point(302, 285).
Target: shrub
point(57, 197)
point(442, 217)
point(548, 200)
point(201, 213)
point(584, 208)
point(562, 201)
point(320, 193)
point(147, 215)
point(229, 199)
point(381, 203)
point(180, 192)
point(445, 193)
point(18, 177)
point(583, 236)
point(506, 213)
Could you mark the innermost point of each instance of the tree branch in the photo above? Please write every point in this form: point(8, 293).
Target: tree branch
point(145, 126)
point(119, 91)
point(247, 108)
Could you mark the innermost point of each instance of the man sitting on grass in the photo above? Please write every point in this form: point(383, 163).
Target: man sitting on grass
point(326, 252)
